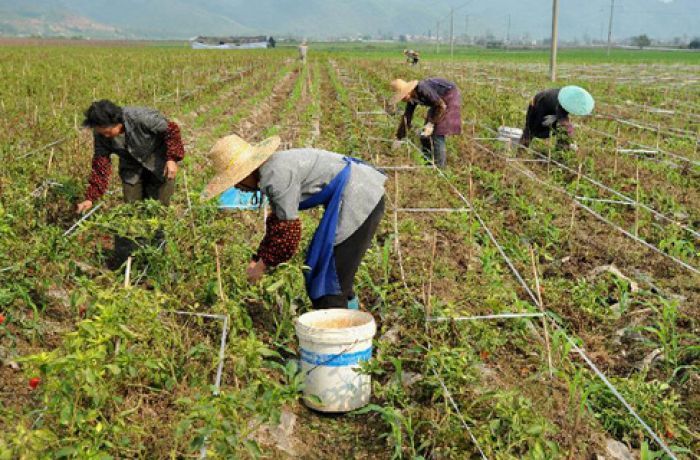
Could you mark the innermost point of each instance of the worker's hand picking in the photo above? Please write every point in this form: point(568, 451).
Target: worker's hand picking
point(427, 130)
point(255, 271)
point(83, 206)
point(549, 120)
point(170, 169)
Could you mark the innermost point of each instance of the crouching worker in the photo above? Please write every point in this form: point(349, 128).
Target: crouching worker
point(149, 148)
point(351, 192)
point(549, 111)
point(444, 113)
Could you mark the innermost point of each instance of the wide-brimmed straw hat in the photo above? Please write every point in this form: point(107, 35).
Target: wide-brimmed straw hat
point(402, 89)
point(576, 100)
point(234, 159)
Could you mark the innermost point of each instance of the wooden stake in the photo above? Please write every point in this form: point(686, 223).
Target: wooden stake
point(544, 318)
point(636, 206)
point(127, 274)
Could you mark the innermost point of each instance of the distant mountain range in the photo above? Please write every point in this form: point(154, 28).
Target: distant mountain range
point(178, 19)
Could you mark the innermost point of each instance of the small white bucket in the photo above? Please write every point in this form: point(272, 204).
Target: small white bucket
point(332, 343)
point(508, 134)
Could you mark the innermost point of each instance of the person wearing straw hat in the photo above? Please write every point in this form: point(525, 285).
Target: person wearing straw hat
point(351, 191)
point(444, 117)
point(549, 111)
point(412, 56)
point(149, 147)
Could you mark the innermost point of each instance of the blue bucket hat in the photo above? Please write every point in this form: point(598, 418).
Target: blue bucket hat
point(576, 100)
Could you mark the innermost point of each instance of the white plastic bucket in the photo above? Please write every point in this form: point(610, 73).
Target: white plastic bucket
point(332, 343)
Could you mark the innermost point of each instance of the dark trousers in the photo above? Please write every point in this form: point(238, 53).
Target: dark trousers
point(148, 187)
point(348, 256)
point(435, 149)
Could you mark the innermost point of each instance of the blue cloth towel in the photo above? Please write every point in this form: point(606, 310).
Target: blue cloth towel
point(322, 278)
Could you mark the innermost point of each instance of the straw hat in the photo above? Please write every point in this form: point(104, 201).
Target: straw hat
point(234, 159)
point(402, 89)
point(576, 100)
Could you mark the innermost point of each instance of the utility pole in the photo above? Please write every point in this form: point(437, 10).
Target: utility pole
point(437, 38)
point(466, 28)
point(508, 31)
point(612, 8)
point(452, 30)
point(555, 39)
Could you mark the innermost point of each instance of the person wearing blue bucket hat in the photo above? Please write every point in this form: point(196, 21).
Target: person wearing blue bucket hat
point(549, 111)
point(350, 191)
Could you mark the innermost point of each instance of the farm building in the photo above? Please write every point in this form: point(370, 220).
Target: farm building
point(231, 43)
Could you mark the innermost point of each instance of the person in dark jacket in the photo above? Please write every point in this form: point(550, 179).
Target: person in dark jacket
point(549, 111)
point(444, 113)
point(149, 148)
point(412, 56)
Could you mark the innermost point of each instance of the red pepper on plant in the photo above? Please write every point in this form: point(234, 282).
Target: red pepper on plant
point(34, 382)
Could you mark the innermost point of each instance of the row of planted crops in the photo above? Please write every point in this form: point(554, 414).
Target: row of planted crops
point(117, 373)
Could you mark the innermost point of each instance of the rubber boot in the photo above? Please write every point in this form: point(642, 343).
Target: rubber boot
point(354, 304)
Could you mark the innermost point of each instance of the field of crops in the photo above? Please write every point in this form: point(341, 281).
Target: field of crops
point(531, 304)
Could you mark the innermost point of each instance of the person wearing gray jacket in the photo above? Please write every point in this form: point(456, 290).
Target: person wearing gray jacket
point(149, 148)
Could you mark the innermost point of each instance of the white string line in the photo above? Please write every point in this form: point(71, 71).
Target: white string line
point(82, 219)
point(609, 189)
point(600, 217)
point(483, 317)
point(595, 369)
point(448, 396)
point(665, 152)
point(429, 210)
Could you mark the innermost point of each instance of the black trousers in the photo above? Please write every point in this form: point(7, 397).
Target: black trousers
point(348, 256)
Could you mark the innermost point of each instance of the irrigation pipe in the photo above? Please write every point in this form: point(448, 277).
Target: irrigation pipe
point(580, 351)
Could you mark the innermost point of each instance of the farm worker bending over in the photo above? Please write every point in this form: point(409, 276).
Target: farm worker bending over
point(412, 56)
point(149, 148)
point(549, 112)
point(351, 192)
point(443, 118)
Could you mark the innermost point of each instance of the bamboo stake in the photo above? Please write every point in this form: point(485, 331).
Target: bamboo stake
point(127, 274)
point(544, 318)
point(636, 208)
point(617, 147)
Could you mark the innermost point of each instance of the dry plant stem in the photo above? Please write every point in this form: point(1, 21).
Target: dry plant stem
point(428, 303)
point(573, 204)
point(397, 243)
point(540, 304)
point(222, 296)
point(189, 203)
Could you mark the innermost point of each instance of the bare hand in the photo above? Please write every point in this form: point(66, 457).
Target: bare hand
point(427, 130)
point(83, 206)
point(255, 271)
point(170, 169)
